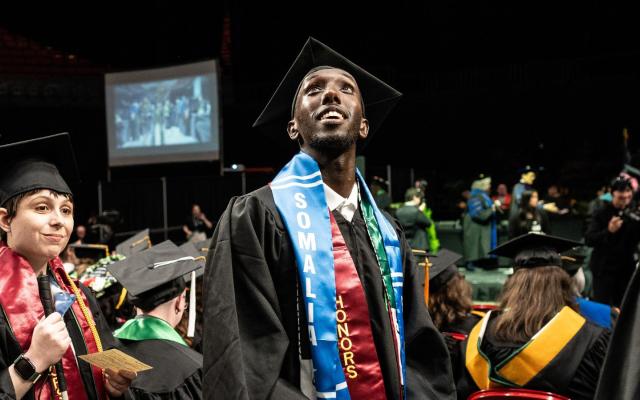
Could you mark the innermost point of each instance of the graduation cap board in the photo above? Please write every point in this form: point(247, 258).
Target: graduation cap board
point(203, 246)
point(378, 97)
point(135, 244)
point(574, 259)
point(156, 275)
point(43, 163)
point(528, 168)
point(91, 251)
point(535, 250)
point(443, 268)
point(438, 269)
point(198, 255)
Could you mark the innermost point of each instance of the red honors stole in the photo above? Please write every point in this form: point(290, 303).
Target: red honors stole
point(20, 300)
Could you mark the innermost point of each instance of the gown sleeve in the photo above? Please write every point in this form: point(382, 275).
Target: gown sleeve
point(6, 386)
point(584, 382)
point(190, 389)
point(244, 340)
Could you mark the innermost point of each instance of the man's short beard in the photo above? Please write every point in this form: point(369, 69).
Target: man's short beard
point(334, 144)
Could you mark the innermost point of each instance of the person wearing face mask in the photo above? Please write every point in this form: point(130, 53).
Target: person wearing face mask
point(36, 221)
point(614, 234)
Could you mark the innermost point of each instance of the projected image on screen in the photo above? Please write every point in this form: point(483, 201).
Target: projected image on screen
point(163, 115)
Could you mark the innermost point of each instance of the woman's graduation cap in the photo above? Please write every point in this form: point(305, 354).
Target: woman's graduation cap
point(443, 268)
point(378, 97)
point(535, 250)
point(39, 163)
point(90, 251)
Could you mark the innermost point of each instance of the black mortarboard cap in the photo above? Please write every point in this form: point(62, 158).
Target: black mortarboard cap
point(199, 256)
point(378, 97)
point(574, 259)
point(43, 163)
point(154, 276)
point(135, 244)
point(443, 268)
point(530, 168)
point(90, 251)
point(535, 250)
point(203, 246)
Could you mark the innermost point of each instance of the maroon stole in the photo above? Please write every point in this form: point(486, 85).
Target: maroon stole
point(20, 299)
point(355, 340)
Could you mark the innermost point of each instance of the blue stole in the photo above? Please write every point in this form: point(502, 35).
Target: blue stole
point(475, 206)
point(299, 196)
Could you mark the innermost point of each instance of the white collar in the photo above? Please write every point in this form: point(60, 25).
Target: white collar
point(348, 205)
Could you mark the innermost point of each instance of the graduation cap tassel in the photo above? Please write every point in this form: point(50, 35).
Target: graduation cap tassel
point(121, 299)
point(427, 267)
point(191, 329)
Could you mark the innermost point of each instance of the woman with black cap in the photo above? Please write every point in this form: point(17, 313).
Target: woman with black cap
point(36, 221)
point(156, 286)
point(450, 303)
point(537, 339)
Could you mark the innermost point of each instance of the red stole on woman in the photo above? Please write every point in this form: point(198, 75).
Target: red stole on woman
point(20, 299)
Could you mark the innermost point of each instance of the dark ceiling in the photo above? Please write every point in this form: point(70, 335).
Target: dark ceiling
point(488, 85)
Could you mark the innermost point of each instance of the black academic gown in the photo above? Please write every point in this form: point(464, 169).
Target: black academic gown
point(462, 326)
point(573, 372)
point(176, 373)
point(250, 342)
point(10, 349)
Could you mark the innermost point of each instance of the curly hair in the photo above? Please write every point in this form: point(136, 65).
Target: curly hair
point(450, 303)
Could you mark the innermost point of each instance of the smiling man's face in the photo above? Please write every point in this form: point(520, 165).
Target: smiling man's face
point(328, 113)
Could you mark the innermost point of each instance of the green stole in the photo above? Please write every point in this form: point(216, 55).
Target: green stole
point(146, 327)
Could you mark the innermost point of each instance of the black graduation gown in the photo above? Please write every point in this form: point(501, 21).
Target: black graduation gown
point(619, 378)
point(176, 373)
point(462, 326)
point(10, 349)
point(250, 342)
point(573, 372)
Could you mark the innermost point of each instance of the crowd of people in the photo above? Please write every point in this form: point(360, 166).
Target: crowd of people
point(308, 287)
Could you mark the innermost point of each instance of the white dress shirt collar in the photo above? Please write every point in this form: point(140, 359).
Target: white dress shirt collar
point(346, 206)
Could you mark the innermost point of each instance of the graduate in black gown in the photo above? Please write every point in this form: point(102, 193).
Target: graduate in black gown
point(450, 302)
point(36, 218)
point(537, 339)
point(156, 286)
point(258, 343)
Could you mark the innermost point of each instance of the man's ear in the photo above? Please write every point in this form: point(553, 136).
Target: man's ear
point(177, 303)
point(292, 130)
point(364, 128)
point(5, 221)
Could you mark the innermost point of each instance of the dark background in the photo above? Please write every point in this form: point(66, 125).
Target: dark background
point(489, 86)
